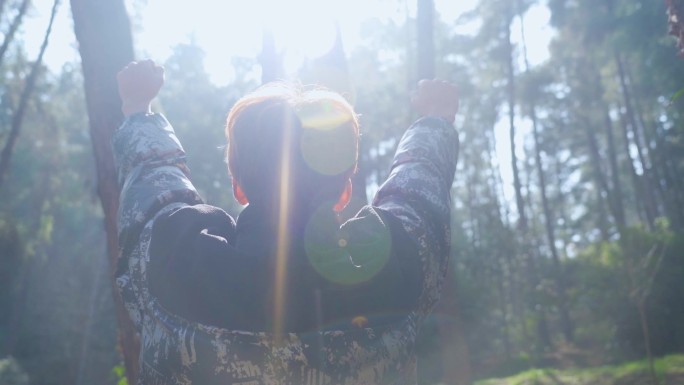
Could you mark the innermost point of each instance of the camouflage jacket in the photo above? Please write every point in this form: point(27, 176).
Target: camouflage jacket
point(154, 180)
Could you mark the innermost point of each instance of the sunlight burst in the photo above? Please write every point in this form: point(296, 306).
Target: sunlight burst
point(302, 29)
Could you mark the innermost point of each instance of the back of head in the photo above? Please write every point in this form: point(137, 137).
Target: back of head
point(285, 142)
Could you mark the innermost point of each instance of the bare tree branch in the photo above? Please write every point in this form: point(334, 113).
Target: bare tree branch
point(18, 117)
point(16, 22)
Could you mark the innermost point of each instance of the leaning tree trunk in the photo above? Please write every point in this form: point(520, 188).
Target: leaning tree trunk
point(106, 45)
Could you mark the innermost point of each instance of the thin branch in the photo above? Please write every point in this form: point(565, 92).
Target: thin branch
point(649, 284)
point(2, 7)
point(16, 22)
point(18, 117)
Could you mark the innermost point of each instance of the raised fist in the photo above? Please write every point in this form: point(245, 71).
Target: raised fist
point(139, 83)
point(437, 98)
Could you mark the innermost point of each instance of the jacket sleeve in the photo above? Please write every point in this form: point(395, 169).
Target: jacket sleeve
point(417, 193)
point(153, 178)
point(152, 173)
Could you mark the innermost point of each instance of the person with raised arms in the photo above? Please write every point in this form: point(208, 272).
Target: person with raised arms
point(285, 294)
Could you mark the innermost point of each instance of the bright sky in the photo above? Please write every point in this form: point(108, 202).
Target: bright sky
point(225, 29)
point(304, 27)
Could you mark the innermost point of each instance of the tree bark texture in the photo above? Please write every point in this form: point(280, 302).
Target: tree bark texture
point(105, 42)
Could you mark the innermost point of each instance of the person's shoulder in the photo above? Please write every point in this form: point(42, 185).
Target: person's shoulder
point(184, 224)
point(373, 224)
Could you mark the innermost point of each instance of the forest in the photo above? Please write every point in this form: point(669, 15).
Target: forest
point(567, 206)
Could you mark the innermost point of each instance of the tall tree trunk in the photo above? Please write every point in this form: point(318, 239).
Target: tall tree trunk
point(14, 26)
point(673, 181)
point(595, 106)
point(105, 42)
point(613, 164)
point(638, 182)
point(426, 42)
point(659, 166)
point(566, 322)
point(653, 185)
point(510, 88)
point(542, 324)
point(600, 177)
point(543, 335)
point(641, 271)
point(509, 281)
point(602, 215)
point(561, 282)
point(454, 349)
point(559, 201)
point(670, 194)
point(499, 273)
point(270, 59)
point(18, 117)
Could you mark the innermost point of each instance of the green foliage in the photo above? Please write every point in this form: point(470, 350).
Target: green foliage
point(10, 265)
point(57, 321)
point(670, 370)
point(11, 373)
point(119, 374)
point(612, 276)
point(676, 96)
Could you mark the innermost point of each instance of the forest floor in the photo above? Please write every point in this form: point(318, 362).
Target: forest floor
point(669, 369)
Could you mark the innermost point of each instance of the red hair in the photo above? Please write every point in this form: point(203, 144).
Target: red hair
point(280, 132)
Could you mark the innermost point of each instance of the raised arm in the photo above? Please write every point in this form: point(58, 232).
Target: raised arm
point(149, 158)
point(417, 191)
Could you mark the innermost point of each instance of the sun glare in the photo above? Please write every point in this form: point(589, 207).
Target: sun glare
point(303, 28)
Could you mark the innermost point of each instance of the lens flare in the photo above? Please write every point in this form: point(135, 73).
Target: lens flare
point(349, 255)
point(328, 142)
point(283, 243)
point(359, 321)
